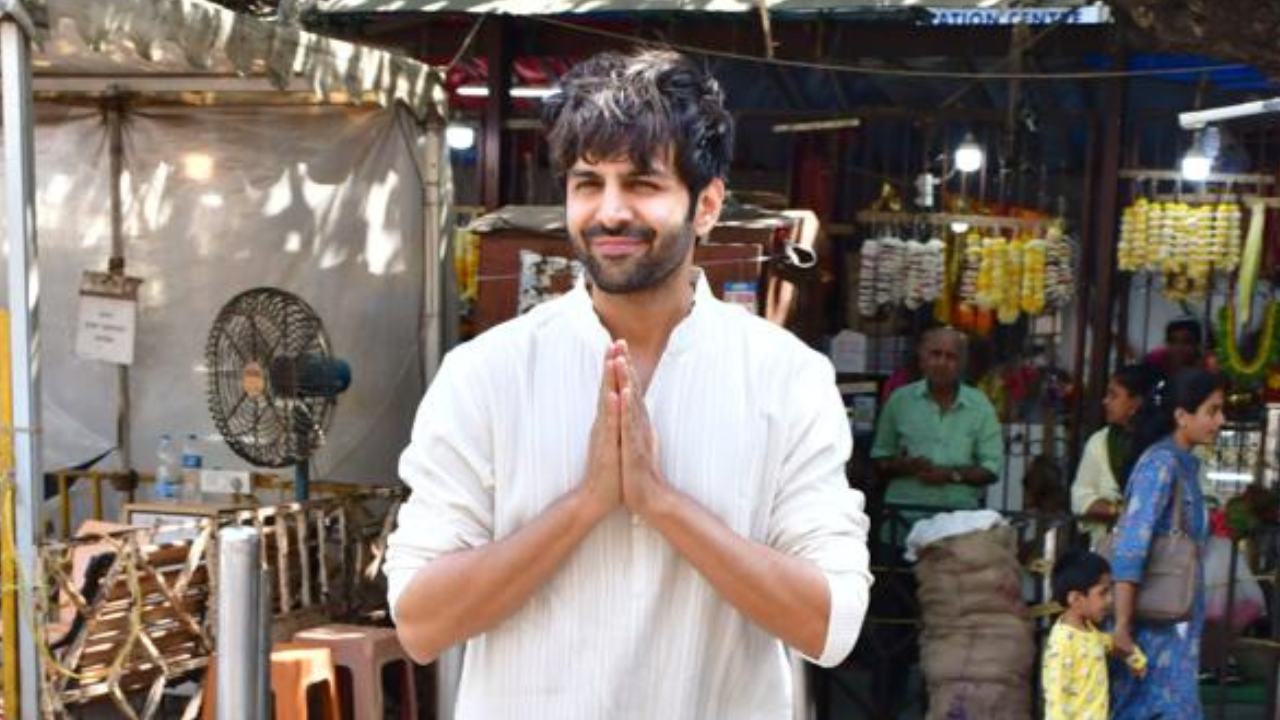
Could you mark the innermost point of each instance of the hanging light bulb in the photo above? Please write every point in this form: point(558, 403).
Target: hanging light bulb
point(969, 155)
point(1196, 164)
point(459, 137)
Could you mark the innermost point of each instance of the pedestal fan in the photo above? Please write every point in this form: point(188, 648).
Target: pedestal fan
point(273, 380)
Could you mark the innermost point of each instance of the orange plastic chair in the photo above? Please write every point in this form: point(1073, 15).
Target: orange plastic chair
point(365, 651)
point(295, 668)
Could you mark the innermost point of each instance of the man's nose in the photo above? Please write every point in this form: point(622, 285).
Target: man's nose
point(615, 207)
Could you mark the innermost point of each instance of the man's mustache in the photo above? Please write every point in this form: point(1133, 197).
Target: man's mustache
point(631, 232)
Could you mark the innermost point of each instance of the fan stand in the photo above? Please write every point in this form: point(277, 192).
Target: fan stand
point(302, 471)
point(302, 480)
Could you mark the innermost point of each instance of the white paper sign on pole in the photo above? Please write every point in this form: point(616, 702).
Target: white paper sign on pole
point(108, 318)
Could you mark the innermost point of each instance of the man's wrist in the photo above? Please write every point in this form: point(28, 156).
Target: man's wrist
point(586, 506)
point(661, 504)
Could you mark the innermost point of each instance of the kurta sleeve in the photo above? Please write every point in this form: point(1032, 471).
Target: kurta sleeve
point(990, 446)
point(1147, 498)
point(448, 468)
point(1093, 478)
point(815, 514)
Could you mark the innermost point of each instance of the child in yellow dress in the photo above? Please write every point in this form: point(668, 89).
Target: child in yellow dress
point(1074, 673)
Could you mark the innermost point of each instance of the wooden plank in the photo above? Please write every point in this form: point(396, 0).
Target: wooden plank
point(177, 642)
point(99, 689)
point(149, 585)
point(304, 556)
point(322, 553)
point(282, 567)
point(165, 555)
point(118, 621)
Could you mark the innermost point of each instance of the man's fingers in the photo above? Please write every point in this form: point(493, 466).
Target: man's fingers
point(621, 376)
point(628, 407)
point(610, 410)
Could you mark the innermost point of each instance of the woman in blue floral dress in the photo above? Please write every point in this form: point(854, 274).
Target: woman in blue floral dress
point(1178, 415)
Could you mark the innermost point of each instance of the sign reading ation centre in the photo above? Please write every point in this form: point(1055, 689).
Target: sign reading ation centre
point(1084, 15)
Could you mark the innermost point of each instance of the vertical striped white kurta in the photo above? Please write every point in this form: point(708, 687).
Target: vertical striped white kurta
point(750, 425)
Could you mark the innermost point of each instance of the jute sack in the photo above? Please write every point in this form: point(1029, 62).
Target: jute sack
point(979, 701)
point(977, 646)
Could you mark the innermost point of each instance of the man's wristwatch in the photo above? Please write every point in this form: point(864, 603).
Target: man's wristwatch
point(956, 477)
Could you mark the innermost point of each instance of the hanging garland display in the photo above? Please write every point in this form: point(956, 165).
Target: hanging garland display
point(1184, 243)
point(1025, 275)
point(893, 271)
point(1252, 370)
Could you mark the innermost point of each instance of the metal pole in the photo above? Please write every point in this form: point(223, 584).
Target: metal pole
point(302, 475)
point(1101, 318)
point(264, 644)
point(437, 241)
point(113, 109)
point(448, 676)
point(239, 634)
point(20, 218)
point(1228, 619)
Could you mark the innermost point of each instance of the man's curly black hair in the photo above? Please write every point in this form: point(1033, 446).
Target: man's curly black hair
point(641, 106)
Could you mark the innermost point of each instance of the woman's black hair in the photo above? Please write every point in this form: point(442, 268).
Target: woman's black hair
point(1186, 390)
point(1136, 379)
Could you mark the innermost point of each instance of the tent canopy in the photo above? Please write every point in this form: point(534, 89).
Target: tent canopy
point(195, 45)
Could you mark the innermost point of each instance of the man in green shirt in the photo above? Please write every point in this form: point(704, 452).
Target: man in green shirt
point(938, 440)
point(937, 444)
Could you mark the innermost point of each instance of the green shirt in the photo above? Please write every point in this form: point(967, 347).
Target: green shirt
point(967, 434)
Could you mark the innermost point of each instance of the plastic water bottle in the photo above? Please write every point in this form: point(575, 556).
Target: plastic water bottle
point(168, 470)
point(192, 462)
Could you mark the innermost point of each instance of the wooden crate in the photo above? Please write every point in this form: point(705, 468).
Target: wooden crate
point(145, 626)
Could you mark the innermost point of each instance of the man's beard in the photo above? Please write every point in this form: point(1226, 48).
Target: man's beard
point(663, 255)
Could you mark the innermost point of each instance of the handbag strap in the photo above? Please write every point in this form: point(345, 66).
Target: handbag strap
point(1178, 510)
point(1178, 527)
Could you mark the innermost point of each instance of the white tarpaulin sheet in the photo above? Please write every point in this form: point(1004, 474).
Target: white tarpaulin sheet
point(324, 202)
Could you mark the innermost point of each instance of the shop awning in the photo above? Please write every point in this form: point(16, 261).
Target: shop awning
point(192, 45)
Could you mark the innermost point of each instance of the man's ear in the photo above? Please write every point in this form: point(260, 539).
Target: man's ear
point(707, 212)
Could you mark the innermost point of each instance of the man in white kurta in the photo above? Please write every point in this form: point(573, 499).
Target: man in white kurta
point(709, 468)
